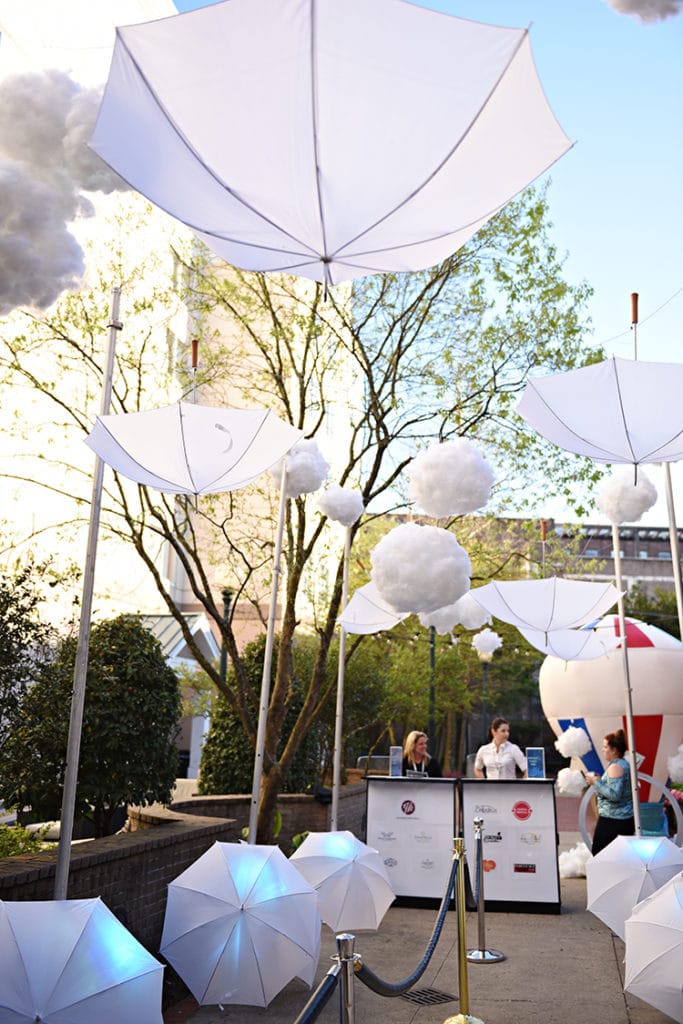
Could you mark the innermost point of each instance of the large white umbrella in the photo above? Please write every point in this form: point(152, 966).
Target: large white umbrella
point(369, 135)
point(545, 605)
point(654, 949)
point(367, 612)
point(582, 644)
point(349, 877)
point(241, 923)
point(73, 962)
point(626, 871)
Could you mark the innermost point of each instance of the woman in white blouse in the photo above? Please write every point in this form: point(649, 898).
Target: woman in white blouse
point(500, 758)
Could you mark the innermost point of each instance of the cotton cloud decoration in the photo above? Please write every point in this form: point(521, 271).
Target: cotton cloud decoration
point(443, 619)
point(341, 504)
point(570, 782)
point(574, 742)
point(623, 500)
point(306, 469)
point(420, 568)
point(450, 479)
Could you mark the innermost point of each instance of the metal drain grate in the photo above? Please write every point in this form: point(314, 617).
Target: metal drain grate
point(427, 996)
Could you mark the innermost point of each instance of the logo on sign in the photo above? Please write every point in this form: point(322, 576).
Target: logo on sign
point(521, 810)
point(530, 838)
point(485, 809)
point(525, 869)
point(390, 862)
point(493, 837)
point(422, 837)
point(488, 865)
point(386, 836)
point(427, 864)
point(408, 807)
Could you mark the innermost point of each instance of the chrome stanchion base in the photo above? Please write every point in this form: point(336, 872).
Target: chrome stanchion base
point(484, 956)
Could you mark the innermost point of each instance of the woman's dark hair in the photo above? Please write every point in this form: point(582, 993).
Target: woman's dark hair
point(496, 724)
point(617, 741)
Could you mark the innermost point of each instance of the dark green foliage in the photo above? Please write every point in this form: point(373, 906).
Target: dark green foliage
point(17, 840)
point(658, 608)
point(128, 754)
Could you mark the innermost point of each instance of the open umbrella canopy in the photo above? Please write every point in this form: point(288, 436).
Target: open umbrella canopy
point(337, 161)
point(654, 949)
point(353, 887)
point(367, 612)
point(618, 411)
point(192, 449)
point(73, 962)
point(546, 605)
point(625, 872)
point(241, 923)
point(584, 644)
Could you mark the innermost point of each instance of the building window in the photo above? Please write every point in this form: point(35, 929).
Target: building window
point(643, 554)
point(664, 555)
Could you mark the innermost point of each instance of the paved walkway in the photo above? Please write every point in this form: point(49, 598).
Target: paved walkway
point(559, 969)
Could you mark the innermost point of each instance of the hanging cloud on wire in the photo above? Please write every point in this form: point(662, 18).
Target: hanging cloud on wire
point(420, 568)
point(341, 504)
point(46, 120)
point(306, 469)
point(486, 642)
point(450, 479)
point(572, 863)
point(647, 10)
point(674, 766)
point(570, 782)
point(470, 613)
point(574, 742)
point(443, 619)
point(622, 500)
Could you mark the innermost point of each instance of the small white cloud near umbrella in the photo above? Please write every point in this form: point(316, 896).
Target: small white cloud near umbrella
point(574, 742)
point(674, 766)
point(570, 782)
point(450, 479)
point(306, 469)
point(420, 568)
point(349, 877)
point(341, 504)
point(486, 643)
point(623, 499)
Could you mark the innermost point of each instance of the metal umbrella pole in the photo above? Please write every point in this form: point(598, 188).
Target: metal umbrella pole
point(481, 955)
point(81, 667)
point(339, 711)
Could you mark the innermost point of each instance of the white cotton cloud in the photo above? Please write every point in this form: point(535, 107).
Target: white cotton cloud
point(470, 613)
point(486, 642)
point(341, 504)
point(306, 469)
point(674, 766)
point(574, 742)
point(570, 782)
point(420, 568)
point(623, 500)
point(46, 120)
point(647, 10)
point(443, 619)
point(450, 479)
point(572, 863)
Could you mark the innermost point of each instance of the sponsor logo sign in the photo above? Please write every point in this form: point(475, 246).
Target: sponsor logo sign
point(524, 869)
point(485, 809)
point(390, 862)
point(386, 837)
point(488, 865)
point(408, 807)
point(422, 837)
point(427, 864)
point(493, 837)
point(522, 810)
point(530, 838)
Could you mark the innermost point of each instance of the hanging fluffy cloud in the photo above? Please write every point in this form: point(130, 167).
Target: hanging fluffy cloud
point(470, 613)
point(443, 619)
point(420, 568)
point(647, 10)
point(450, 479)
point(573, 742)
point(341, 504)
point(306, 469)
point(570, 782)
point(622, 500)
point(46, 120)
point(675, 766)
point(572, 863)
point(486, 642)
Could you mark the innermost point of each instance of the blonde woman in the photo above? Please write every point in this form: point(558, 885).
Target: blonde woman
point(416, 758)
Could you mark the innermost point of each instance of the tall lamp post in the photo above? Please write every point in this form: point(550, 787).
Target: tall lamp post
point(485, 643)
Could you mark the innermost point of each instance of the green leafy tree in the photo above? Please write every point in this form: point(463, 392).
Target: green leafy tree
point(128, 754)
point(657, 607)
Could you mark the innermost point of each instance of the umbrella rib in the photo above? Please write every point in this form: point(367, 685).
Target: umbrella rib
point(231, 467)
point(185, 451)
point(314, 119)
point(609, 456)
point(132, 458)
point(623, 413)
point(181, 135)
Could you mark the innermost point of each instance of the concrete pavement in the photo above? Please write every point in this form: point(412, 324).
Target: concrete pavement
point(559, 969)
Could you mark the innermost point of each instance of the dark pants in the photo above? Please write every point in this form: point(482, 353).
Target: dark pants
point(608, 829)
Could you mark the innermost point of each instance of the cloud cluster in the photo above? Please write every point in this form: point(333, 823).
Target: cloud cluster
point(570, 782)
point(306, 469)
point(674, 766)
point(341, 504)
point(420, 568)
point(572, 863)
point(574, 742)
point(46, 120)
point(450, 479)
point(622, 500)
point(647, 10)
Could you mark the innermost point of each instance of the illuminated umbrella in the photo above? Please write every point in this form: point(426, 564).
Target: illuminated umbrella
point(73, 962)
point(626, 871)
point(654, 949)
point(349, 877)
point(545, 605)
point(296, 176)
point(241, 923)
point(367, 612)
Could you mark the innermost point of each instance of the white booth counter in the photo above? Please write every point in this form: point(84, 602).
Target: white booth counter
point(412, 824)
point(519, 842)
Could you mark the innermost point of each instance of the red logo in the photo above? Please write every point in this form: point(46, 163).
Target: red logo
point(522, 810)
point(488, 865)
point(408, 807)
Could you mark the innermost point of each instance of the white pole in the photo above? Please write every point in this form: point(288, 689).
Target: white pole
point(339, 713)
point(627, 681)
point(81, 667)
point(673, 542)
point(267, 662)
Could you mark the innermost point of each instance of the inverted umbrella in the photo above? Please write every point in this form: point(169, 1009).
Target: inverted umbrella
point(654, 949)
point(349, 877)
point(367, 612)
point(296, 176)
point(626, 871)
point(73, 962)
point(545, 605)
point(583, 644)
point(241, 922)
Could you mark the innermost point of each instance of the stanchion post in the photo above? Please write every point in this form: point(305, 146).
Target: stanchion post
point(463, 1017)
point(481, 955)
point(348, 960)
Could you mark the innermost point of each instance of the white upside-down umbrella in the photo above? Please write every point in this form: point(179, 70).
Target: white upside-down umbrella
point(582, 644)
point(241, 923)
point(545, 605)
point(367, 612)
point(626, 871)
point(349, 877)
point(654, 949)
point(322, 193)
point(73, 962)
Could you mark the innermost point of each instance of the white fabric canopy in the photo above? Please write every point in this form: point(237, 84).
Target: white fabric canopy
point(574, 644)
point(620, 410)
point(367, 612)
point(192, 449)
point(548, 604)
point(326, 139)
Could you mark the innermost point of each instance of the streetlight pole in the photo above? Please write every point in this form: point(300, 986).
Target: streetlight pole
point(485, 659)
point(226, 594)
point(432, 683)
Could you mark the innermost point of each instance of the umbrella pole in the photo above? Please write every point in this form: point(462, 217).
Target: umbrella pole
point(81, 667)
point(339, 712)
point(675, 550)
point(267, 662)
point(627, 681)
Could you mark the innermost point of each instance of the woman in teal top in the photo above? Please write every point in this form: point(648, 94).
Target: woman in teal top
point(613, 793)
